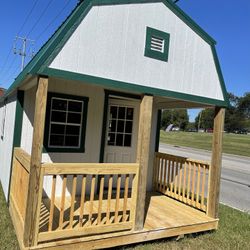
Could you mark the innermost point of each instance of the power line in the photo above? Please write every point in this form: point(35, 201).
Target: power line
point(53, 20)
point(40, 17)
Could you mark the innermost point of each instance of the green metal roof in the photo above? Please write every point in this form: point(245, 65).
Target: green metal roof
point(51, 48)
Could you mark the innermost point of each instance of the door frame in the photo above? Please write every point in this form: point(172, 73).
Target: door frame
point(109, 93)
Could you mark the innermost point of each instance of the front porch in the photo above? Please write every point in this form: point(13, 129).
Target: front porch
point(93, 205)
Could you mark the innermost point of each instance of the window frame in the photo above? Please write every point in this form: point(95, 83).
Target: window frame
point(66, 149)
point(151, 32)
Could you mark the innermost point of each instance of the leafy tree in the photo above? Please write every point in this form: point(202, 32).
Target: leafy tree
point(244, 105)
point(205, 119)
point(178, 117)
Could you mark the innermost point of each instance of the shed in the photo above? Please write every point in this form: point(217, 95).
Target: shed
point(79, 143)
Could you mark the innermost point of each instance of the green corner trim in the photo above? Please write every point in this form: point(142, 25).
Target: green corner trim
point(158, 129)
point(163, 56)
point(81, 149)
point(119, 85)
point(17, 128)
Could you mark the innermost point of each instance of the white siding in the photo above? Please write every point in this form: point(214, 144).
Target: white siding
point(6, 143)
point(110, 43)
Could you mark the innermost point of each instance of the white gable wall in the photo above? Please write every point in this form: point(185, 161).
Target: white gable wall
point(6, 143)
point(110, 43)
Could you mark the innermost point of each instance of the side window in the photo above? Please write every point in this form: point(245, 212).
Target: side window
point(157, 44)
point(120, 126)
point(65, 123)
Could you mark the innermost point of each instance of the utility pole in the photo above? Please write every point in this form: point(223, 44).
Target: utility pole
point(21, 51)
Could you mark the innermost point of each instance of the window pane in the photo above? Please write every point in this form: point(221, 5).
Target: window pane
point(59, 104)
point(112, 126)
point(75, 106)
point(111, 139)
point(57, 129)
point(129, 126)
point(74, 118)
point(72, 130)
point(127, 140)
point(120, 126)
point(58, 116)
point(113, 112)
point(121, 113)
point(72, 141)
point(119, 139)
point(56, 140)
point(130, 113)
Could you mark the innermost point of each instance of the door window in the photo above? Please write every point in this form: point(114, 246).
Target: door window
point(120, 126)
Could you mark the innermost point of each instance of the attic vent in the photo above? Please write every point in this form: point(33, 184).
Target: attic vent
point(157, 44)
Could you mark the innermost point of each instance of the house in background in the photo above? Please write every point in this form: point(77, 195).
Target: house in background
point(80, 165)
point(2, 90)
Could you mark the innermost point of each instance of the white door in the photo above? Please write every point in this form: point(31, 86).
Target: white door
point(122, 131)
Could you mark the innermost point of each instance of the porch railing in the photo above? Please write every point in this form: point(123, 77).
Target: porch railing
point(183, 179)
point(87, 198)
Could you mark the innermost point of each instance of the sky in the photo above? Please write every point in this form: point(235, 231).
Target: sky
point(227, 21)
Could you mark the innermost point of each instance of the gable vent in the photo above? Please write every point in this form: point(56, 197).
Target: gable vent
point(157, 44)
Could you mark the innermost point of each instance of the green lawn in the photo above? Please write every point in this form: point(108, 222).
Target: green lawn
point(232, 143)
point(233, 233)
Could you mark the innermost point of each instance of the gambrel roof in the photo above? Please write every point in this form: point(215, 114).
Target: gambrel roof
point(39, 64)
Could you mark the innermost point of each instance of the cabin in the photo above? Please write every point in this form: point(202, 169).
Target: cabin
point(79, 147)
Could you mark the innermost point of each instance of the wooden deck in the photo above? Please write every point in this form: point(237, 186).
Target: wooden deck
point(165, 217)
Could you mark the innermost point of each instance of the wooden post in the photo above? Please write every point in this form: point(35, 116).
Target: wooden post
point(31, 222)
point(215, 169)
point(143, 150)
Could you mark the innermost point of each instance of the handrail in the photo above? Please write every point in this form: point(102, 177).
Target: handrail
point(182, 178)
point(23, 158)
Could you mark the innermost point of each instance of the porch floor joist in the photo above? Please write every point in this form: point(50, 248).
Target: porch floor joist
point(165, 217)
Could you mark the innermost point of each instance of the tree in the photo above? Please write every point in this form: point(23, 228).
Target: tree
point(177, 117)
point(205, 119)
point(244, 105)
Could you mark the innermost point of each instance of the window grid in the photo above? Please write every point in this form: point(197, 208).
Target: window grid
point(67, 111)
point(116, 119)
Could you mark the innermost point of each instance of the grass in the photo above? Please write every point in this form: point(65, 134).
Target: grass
point(233, 233)
point(232, 143)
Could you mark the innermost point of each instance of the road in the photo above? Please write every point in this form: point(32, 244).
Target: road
point(235, 176)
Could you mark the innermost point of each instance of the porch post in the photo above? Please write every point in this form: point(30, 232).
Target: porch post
point(143, 147)
point(215, 171)
point(33, 204)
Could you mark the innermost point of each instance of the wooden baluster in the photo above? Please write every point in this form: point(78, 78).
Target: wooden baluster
point(118, 190)
point(109, 198)
point(125, 200)
point(168, 181)
point(91, 200)
point(165, 176)
point(73, 197)
point(172, 177)
point(61, 217)
point(193, 183)
point(180, 181)
point(154, 172)
point(203, 188)
point(176, 178)
point(83, 193)
point(52, 203)
point(188, 185)
point(161, 175)
point(184, 199)
point(99, 218)
point(198, 205)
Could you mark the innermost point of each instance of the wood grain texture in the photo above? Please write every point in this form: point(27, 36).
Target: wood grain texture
point(35, 190)
point(215, 171)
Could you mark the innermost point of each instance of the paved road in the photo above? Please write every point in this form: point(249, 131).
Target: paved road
point(235, 176)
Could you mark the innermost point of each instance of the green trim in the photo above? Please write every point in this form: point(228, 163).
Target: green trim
point(158, 129)
point(104, 125)
point(17, 129)
point(85, 100)
point(219, 72)
point(163, 56)
point(51, 48)
point(104, 82)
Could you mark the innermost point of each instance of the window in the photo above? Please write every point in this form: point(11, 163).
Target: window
point(120, 126)
point(157, 44)
point(65, 123)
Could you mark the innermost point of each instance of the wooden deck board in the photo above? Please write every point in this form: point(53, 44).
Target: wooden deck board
point(165, 217)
